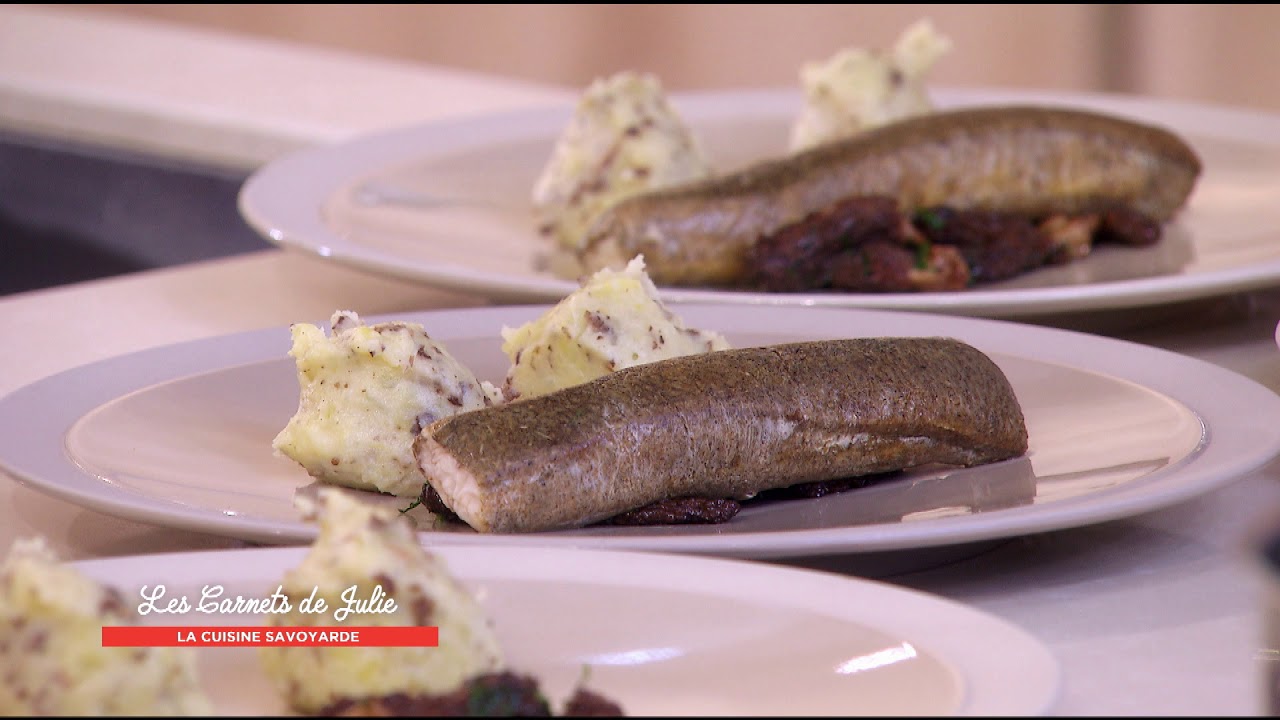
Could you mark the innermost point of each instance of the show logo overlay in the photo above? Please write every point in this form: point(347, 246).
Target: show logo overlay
point(337, 624)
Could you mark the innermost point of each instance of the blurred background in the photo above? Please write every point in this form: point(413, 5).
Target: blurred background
point(1226, 54)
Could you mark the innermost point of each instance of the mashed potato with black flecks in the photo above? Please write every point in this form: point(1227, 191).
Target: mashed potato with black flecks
point(615, 320)
point(361, 545)
point(856, 88)
point(625, 137)
point(51, 620)
point(365, 392)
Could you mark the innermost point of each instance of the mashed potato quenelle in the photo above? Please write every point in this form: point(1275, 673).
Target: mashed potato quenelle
point(51, 620)
point(363, 546)
point(366, 391)
point(615, 320)
point(625, 137)
point(857, 88)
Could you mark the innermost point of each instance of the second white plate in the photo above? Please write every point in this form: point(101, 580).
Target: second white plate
point(447, 203)
point(181, 436)
point(669, 635)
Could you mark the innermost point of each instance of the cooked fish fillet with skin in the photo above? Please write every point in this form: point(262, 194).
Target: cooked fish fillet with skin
point(1022, 159)
point(727, 424)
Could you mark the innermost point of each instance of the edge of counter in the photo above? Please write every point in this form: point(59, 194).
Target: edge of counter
point(216, 97)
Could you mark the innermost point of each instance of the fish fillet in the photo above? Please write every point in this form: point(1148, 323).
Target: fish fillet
point(1024, 159)
point(727, 424)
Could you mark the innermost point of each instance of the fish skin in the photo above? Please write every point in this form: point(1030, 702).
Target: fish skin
point(726, 424)
point(1017, 158)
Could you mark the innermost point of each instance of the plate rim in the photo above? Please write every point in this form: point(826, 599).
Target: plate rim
point(280, 201)
point(38, 458)
point(957, 633)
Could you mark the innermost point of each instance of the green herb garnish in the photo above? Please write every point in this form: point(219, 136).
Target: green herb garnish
point(417, 501)
point(930, 218)
point(500, 700)
point(923, 252)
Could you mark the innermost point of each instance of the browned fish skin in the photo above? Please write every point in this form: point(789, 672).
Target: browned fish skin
point(725, 424)
point(1026, 159)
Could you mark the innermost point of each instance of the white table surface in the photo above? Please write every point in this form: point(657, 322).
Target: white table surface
point(1153, 615)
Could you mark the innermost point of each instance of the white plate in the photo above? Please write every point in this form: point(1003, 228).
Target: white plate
point(672, 635)
point(447, 204)
point(181, 436)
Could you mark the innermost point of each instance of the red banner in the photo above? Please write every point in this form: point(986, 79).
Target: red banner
point(258, 636)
